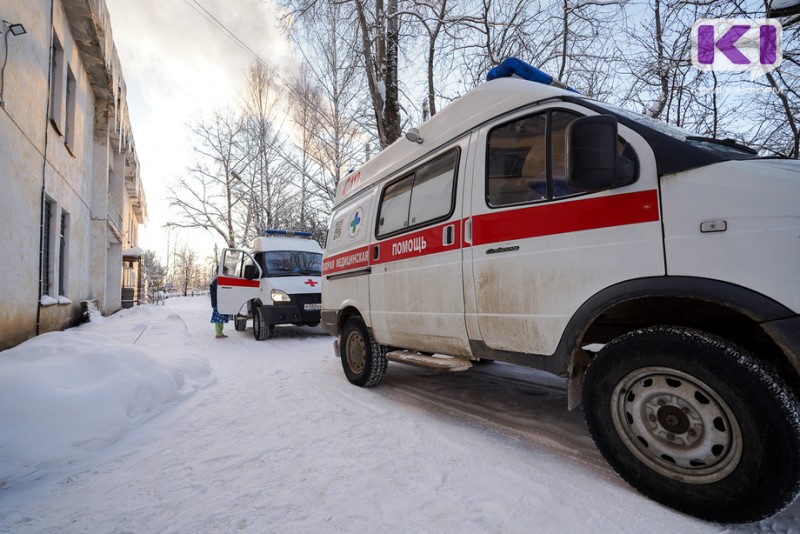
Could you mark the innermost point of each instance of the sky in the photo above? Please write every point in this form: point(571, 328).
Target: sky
point(144, 422)
point(179, 66)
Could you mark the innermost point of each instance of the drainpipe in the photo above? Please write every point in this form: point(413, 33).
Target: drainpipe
point(44, 174)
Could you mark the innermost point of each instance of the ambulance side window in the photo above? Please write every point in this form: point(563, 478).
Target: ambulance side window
point(431, 197)
point(394, 206)
point(516, 161)
point(421, 197)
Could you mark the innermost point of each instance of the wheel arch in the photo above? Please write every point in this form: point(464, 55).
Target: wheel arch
point(736, 313)
point(346, 313)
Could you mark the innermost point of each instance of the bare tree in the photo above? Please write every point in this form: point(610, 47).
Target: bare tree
point(379, 23)
point(486, 32)
point(212, 195)
point(326, 101)
point(432, 18)
point(187, 270)
point(778, 95)
point(266, 175)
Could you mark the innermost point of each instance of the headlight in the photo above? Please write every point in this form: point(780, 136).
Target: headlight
point(279, 296)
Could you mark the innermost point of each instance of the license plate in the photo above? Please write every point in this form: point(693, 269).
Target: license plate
point(309, 307)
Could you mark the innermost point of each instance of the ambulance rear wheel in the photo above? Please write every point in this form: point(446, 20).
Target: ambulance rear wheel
point(262, 330)
point(696, 423)
point(363, 360)
point(240, 323)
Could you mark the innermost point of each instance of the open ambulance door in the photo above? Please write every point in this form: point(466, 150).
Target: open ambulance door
point(238, 281)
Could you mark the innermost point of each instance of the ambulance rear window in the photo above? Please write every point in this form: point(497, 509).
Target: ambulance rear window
point(420, 197)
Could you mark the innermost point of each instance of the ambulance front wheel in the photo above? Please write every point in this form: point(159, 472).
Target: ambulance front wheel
point(363, 360)
point(696, 423)
point(262, 329)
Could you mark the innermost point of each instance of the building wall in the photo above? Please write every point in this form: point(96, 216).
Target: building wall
point(77, 155)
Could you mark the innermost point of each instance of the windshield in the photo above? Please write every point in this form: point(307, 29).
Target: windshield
point(291, 263)
point(724, 147)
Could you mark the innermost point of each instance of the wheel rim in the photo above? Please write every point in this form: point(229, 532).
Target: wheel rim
point(356, 352)
point(677, 425)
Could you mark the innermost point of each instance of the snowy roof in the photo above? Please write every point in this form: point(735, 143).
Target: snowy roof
point(135, 251)
point(485, 102)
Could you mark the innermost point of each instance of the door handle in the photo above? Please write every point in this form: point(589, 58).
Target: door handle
point(449, 235)
point(468, 231)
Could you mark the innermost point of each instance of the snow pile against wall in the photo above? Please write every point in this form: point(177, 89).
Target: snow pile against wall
point(65, 394)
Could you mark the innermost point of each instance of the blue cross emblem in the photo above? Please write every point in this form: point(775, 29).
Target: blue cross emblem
point(355, 222)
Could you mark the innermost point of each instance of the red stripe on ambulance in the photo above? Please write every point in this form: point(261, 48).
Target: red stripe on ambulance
point(347, 261)
point(565, 217)
point(237, 282)
point(422, 243)
point(508, 225)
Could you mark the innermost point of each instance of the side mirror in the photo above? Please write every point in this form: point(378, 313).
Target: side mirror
point(592, 152)
point(250, 272)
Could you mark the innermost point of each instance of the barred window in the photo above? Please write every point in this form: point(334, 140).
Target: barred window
point(62, 254)
point(44, 251)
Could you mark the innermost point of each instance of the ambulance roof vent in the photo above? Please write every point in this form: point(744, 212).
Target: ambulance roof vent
point(513, 67)
point(287, 233)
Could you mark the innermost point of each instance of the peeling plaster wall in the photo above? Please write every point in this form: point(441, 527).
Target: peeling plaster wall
point(88, 174)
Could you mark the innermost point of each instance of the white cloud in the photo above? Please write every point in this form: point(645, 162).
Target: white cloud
point(179, 66)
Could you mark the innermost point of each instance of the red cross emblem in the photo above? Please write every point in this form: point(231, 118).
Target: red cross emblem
point(311, 282)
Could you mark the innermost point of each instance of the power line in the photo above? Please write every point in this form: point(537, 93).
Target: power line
point(206, 14)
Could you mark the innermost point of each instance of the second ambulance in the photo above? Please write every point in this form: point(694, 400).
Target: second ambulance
point(275, 282)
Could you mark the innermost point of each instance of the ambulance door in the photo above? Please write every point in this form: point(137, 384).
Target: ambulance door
point(540, 248)
point(416, 284)
point(238, 281)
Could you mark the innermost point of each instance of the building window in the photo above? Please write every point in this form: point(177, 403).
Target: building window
point(44, 252)
point(62, 254)
point(56, 83)
point(69, 124)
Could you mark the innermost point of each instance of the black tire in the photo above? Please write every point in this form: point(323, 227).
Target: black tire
point(312, 324)
point(696, 423)
point(363, 360)
point(239, 323)
point(262, 330)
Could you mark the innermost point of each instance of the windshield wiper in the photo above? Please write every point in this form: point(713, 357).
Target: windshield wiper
point(725, 142)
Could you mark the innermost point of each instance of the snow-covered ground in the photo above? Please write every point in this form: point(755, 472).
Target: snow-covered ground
point(143, 422)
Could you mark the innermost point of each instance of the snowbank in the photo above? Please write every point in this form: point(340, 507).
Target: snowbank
point(64, 394)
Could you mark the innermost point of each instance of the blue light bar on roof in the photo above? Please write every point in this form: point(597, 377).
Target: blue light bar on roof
point(287, 233)
point(516, 67)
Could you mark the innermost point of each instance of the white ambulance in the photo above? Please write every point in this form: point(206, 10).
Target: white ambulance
point(525, 222)
point(276, 281)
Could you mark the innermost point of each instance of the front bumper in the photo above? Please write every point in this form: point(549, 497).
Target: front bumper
point(294, 312)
